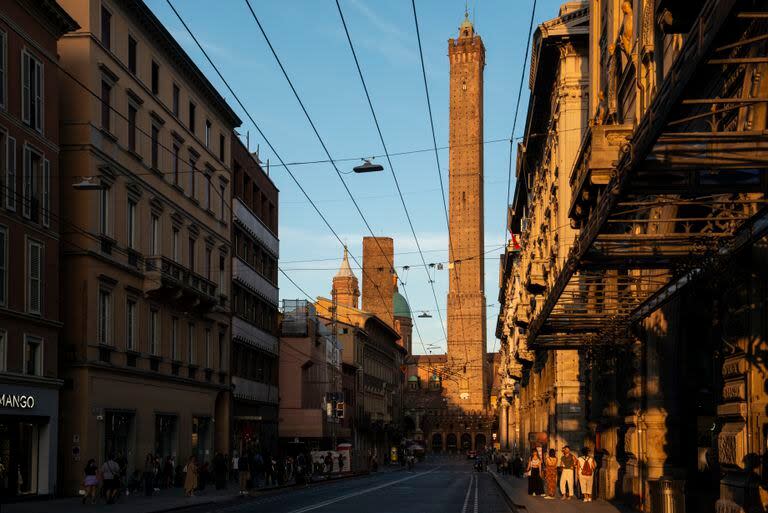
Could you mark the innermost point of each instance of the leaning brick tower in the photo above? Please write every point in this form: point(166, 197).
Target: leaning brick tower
point(467, 362)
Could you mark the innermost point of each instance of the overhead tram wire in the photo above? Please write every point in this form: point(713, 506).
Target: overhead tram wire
point(84, 232)
point(320, 139)
point(267, 141)
point(439, 171)
point(517, 109)
point(391, 166)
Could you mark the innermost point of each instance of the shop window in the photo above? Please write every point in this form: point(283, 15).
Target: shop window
point(33, 355)
point(201, 438)
point(19, 450)
point(118, 427)
point(166, 435)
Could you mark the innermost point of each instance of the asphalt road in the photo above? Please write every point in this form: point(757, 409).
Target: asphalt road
point(437, 486)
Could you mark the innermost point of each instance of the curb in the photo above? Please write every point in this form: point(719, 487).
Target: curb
point(507, 497)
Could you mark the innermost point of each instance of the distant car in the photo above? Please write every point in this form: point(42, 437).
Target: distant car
point(471, 455)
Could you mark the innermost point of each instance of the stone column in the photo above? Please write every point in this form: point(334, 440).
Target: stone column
point(504, 424)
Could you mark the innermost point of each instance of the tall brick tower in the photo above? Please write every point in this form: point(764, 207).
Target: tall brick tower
point(378, 285)
point(467, 360)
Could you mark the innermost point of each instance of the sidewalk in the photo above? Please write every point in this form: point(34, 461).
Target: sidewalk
point(516, 490)
point(163, 501)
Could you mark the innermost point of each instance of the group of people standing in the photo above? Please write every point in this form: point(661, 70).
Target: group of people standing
point(546, 469)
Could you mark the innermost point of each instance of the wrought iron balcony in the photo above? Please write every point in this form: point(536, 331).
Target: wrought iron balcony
point(167, 280)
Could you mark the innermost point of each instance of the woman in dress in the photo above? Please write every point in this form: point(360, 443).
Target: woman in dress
point(550, 474)
point(90, 481)
point(190, 480)
point(535, 486)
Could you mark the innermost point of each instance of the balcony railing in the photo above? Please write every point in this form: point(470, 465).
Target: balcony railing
point(245, 274)
point(255, 227)
point(250, 334)
point(254, 391)
point(163, 275)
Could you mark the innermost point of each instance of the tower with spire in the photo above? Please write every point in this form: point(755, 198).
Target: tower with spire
point(345, 291)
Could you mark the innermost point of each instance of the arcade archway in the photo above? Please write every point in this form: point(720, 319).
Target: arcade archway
point(450, 442)
point(466, 441)
point(437, 442)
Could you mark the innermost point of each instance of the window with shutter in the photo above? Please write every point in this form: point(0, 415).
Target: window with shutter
point(26, 88)
point(31, 91)
point(104, 317)
point(10, 174)
point(3, 351)
point(28, 180)
point(154, 331)
point(3, 266)
point(175, 339)
point(191, 344)
point(34, 277)
point(130, 322)
point(33, 355)
point(3, 48)
point(46, 193)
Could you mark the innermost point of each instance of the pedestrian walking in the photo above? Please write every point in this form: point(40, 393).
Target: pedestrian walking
point(586, 465)
point(535, 486)
point(328, 465)
point(220, 471)
point(235, 467)
point(110, 478)
point(168, 473)
point(244, 472)
point(550, 475)
point(90, 481)
point(568, 465)
point(341, 462)
point(149, 475)
point(190, 478)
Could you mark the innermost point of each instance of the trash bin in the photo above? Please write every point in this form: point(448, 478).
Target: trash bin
point(667, 496)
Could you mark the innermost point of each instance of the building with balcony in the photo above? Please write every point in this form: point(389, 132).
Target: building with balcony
point(30, 230)
point(255, 333)
point(146, 261)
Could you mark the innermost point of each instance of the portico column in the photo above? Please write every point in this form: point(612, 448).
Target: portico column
point(504, 424)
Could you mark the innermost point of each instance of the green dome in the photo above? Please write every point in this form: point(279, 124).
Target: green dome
point(401, 306)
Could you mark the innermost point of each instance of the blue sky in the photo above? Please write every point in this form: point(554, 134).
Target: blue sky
point(309, 39)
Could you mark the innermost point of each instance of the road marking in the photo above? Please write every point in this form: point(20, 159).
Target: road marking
point(469, 492)
point(476, 504)
point(360, 492)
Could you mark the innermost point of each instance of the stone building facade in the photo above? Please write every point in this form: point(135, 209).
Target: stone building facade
point(660, 289)
point(255, 348)
point(30, 229)
point(146, 274)
point(549, 396)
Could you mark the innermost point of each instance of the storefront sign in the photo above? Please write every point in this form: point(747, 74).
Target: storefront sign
point(17, 401)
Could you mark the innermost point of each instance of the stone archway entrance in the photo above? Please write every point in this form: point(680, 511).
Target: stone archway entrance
point(480, 441)
point(466, 441)
point(437, 442)
point(450, 442)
